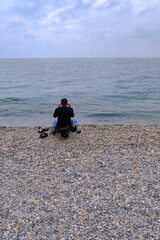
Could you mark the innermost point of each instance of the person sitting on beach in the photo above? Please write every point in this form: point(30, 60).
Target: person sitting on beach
point(64, 112)
point(64, 124)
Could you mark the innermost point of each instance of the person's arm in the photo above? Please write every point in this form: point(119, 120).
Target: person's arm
point(72, 113)
point(55, 113)
point(68, 105)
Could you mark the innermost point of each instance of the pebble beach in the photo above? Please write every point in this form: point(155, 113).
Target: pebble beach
point(100, 184)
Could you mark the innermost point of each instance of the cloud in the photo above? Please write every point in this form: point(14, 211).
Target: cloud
point(84, 26)
point(53, 15)
point(28, 7)
point(99, 3)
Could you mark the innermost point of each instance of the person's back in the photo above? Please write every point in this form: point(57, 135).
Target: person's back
point(64, 114)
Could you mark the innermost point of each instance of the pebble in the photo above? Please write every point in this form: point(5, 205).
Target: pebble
point(100, 184)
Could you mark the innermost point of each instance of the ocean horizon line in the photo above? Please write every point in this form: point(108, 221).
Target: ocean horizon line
point(121, 57)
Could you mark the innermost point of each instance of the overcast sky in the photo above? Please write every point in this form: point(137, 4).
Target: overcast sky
point(79, 28)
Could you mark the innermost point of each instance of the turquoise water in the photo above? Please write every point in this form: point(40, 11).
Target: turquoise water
point(101, 90)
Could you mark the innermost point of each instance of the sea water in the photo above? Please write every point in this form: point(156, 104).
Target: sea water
point(100, 90)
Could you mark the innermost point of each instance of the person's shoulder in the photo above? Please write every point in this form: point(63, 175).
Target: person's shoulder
point(57, 109)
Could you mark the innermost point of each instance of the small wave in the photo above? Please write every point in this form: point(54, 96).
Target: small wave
point(108, 115)
point(13, 87)
point(13, 100)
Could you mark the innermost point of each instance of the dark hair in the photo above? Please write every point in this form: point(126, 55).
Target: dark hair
point(64, 101)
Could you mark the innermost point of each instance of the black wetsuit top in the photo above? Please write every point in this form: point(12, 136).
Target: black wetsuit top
point(64, 115)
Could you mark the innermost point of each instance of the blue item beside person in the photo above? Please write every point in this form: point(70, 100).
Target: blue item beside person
point(74, 122)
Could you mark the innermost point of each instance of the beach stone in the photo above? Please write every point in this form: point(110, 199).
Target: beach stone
point(100, 184)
